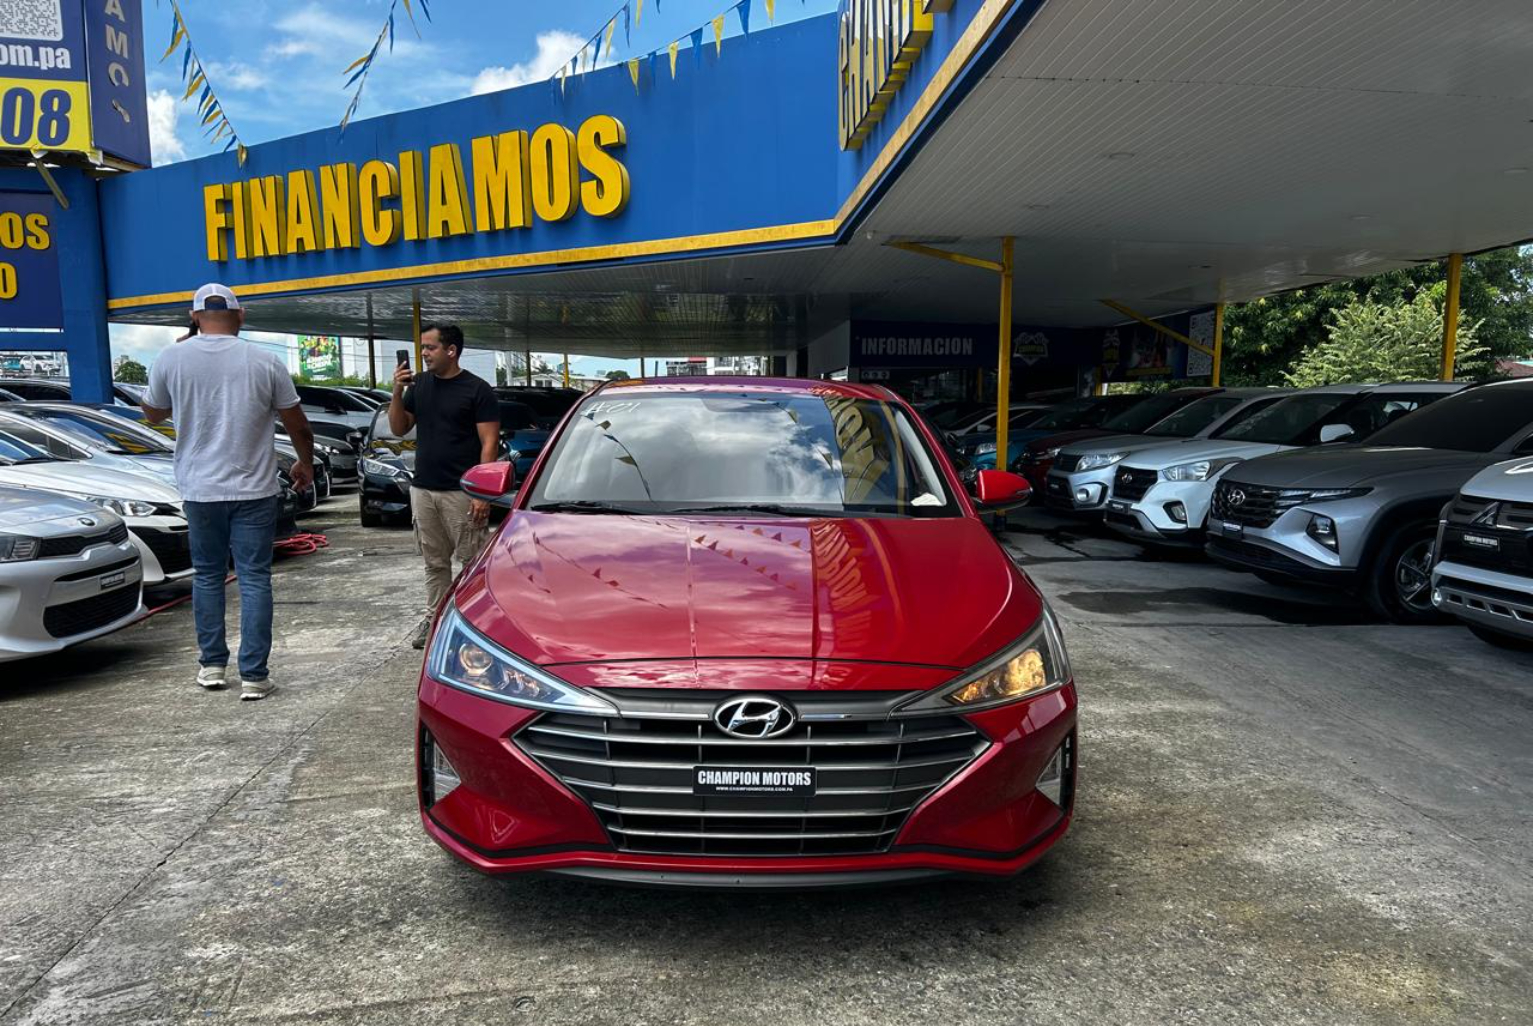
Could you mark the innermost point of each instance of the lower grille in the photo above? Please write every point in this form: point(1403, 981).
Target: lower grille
point(1131, 483)
point(71, 618)
point(636, 772)
point(172, 548)
point(74, 544)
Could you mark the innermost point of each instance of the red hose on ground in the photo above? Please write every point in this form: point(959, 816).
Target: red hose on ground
point(297, 545)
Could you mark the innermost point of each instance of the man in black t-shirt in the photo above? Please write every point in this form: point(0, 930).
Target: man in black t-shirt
point(457, 426)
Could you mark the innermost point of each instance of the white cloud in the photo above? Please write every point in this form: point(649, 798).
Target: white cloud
point(164, 112)
point(318, 32)
point(235, 75)
point(554, 49)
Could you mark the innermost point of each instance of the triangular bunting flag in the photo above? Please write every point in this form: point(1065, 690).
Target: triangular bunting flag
point(718, 36)
point(743, 9)
point(611, 25)
point(638, 13)
point(697, 48)
point(633, 72)
point(627, 25)
point(771, 9)
point(672, 51)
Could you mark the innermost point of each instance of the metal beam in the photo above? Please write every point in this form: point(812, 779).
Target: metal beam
point(942, 254)
point(1450, 314)
point(1161, 328)
point(1218, 344)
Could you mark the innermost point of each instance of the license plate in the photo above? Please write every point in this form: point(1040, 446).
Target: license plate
point(1233, 530)
point(765, 781)
point(1118, 506)
point(113, 580)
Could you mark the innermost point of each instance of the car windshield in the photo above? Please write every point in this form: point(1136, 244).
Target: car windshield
point(13, 450)
point(52, 444)
point(380, 430)
point(109, 434)
point(798, 454)
point(1477, 420)
point(333, 398)
point(1143, 415)
point(1083, 413)
point(517, 417)
point(1288, 422)
point(1191, 419)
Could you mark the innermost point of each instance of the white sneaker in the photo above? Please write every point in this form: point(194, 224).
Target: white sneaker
point(210, 677)
point(255, 690)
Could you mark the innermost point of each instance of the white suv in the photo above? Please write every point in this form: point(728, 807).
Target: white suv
point(1484, 570)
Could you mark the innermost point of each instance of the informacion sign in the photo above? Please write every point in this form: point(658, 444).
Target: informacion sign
point(30, 293)
point(72, 78)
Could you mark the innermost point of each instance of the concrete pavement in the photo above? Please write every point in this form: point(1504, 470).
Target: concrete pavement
point(1287, 815)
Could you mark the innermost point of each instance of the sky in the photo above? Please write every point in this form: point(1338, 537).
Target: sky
point(276, 66)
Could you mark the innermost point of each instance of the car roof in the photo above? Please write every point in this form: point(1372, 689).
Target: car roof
point(766, 386)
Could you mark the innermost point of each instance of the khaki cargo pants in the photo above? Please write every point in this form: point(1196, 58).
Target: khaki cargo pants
point(442, 532)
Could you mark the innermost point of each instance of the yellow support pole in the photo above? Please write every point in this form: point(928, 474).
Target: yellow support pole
point(1003, 364)
point(1218, 344)
point(415, 315)
point(1450, 314)
point(566, 370)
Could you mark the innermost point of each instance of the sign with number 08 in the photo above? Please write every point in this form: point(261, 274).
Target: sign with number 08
point(44, 115)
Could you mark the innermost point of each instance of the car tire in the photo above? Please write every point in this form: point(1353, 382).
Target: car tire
point(1399, 581)
point(1500, 640)
point(370, 519)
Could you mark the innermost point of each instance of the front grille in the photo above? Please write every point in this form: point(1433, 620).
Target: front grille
point(71, 618)
point(1254, 505)
point(1068, 462)
point(636, 772)
point(172, 548)
point(1477, 511)
point(1131, 483)
point(50, 547)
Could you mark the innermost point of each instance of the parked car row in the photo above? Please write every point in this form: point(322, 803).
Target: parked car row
point(90, 516)
point(1417, 498)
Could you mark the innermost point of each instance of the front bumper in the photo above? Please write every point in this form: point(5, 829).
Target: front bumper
point(1083, 491)
point(165, 546)
point(385, 496)
point(1150, 516)
point(515, 813)
point(49, 604)
point(1499, 601)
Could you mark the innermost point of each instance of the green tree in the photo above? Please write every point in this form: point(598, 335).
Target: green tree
point(617, 375)
point(500, 375)
point(1370, 341)
point(1266, 337)
point(131, 372)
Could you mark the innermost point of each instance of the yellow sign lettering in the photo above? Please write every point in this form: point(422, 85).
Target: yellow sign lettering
point(607, 194)
point(379, 181)
point(555, 174)
point(302, 213)
point(412, 194)
point(338, 200)
point(268, 216)
point(447, 210)
point(216, 221)
point(502, 182)
point(38, 236)
point(879, 42)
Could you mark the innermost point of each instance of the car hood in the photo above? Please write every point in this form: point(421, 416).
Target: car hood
point(1349, 466)
point(392, 450)
point(1063, 439)
point(569, 588)
point(1510, 480)
point(1169, 454)
point(80, 477)
point(22, 508)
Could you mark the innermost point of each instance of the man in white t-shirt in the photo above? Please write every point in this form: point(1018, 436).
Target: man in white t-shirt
point(224, 393)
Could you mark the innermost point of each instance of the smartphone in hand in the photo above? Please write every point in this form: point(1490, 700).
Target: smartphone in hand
point(403, 358)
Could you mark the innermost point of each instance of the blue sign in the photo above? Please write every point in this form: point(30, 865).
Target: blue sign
point(30, 295)
point(119, 105)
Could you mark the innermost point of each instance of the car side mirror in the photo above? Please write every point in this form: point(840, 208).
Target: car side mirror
point(490, 482)
point(996, 491)
point(1335, 432)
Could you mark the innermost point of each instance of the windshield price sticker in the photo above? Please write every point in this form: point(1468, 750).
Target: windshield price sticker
point(789, 781)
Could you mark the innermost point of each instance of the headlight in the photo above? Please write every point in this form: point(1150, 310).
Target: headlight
point(1098, 460)
point(1203, 470)
point(1036, 664)
point(1332, 494)
point(465, 659)
point(123, 507)
point(983, 448)
point(14, 548)
point(382, 469)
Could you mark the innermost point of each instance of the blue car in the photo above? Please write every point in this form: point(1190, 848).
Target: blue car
point(1067, 416)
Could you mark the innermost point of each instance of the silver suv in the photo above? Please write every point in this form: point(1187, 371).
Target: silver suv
point(1484, 571)
point(1365, 516)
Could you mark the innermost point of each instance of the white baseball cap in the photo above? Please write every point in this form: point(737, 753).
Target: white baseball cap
point(214, 296)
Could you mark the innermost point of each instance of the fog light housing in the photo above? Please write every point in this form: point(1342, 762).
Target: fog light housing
point(439, 778)
point(1088, 495)
point(1323, 530)
point(1177, 512)
point(1055, 780)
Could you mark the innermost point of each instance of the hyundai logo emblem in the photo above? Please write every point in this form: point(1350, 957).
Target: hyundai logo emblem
point(754, 718)
point(1237, 497)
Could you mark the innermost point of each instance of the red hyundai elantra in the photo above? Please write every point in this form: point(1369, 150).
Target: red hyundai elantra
point(746, 632)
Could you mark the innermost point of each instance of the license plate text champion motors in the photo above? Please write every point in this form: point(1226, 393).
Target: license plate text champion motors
point(793, 781)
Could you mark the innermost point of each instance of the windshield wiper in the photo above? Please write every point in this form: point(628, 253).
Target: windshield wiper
point(772, 508)
point(582, 506)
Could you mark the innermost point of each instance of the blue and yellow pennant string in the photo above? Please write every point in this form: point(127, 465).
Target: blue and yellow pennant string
point(215, 123)
point(631, 14)
point(359, 68)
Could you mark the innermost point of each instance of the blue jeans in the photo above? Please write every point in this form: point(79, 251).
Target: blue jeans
point(246, 531)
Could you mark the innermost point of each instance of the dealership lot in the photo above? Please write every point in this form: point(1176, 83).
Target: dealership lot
point(1287, 814)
